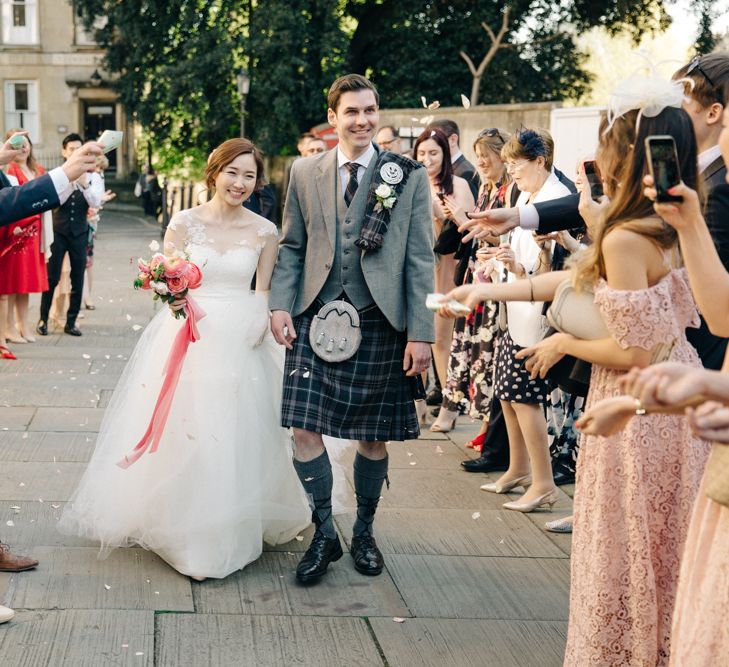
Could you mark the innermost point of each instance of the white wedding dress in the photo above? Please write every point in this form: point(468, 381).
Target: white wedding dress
point(222, 481)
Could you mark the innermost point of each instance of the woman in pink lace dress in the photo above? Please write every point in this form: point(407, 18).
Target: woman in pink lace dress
point(633, 492)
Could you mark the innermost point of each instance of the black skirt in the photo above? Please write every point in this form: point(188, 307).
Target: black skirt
point(367, 397)
point(512, 382)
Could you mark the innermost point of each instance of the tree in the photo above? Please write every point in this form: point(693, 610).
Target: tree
point(706, 12)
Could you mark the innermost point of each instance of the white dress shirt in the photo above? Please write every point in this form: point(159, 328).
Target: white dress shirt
point(455, 156)
point(362, 161)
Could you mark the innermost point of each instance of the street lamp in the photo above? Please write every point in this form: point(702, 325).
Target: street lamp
point(244, 85)
point(96, 79)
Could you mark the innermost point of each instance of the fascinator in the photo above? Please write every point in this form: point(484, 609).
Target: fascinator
point(531, 143)
point(648, 92)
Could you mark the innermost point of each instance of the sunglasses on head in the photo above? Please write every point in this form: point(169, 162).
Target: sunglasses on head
point(695, 65)
point(491, 132)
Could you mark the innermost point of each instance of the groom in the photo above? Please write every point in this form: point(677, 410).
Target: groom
point(372, 255)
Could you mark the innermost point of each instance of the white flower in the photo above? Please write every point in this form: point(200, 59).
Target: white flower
point(389, 202)
point(159, 287)
point(154, 246)
point(383, 190)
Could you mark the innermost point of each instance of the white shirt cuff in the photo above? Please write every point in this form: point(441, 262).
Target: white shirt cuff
point(61, 183)
point(528, 217)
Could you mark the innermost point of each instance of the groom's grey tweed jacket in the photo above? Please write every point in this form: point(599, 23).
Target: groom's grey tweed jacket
point(399, 275)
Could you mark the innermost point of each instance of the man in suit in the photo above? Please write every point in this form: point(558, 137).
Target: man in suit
point(329, 253)
point(40, 194)
point(70, 235)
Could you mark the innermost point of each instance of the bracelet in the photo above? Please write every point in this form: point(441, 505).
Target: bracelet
point(640, 410)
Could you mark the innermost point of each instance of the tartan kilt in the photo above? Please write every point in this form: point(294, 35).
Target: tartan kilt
point(366, 397)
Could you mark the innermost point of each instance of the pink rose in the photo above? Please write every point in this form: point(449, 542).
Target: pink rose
point(174, 267)
point(145, 279)
point(157, 260)
point(177, 285)
point(142, 265)
point(193, 276)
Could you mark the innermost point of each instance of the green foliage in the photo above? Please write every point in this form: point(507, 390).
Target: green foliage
point(176, 60)
point(705, 40)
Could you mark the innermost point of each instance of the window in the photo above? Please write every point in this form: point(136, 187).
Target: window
point(19, 21)
point(21, 107)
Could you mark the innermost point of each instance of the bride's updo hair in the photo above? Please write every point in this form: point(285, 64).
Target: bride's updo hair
point(224, 154)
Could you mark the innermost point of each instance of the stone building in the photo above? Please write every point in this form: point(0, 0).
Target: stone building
point(52, 83)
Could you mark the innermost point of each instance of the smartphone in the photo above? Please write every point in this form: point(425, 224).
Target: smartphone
point(593, 179)
point(504, 238)
point(663, 165)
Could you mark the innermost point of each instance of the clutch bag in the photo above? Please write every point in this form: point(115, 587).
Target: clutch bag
point(575, 313)
point(335, 333)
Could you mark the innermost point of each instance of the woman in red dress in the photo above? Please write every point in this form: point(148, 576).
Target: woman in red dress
point(22, 259)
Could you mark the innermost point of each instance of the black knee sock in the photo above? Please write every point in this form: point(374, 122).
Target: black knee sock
point(316, 478)
point(369, 475)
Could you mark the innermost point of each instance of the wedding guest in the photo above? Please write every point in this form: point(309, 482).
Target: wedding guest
point(469, 386)
point(10, 562)
point(432, 150)
point(633, 493)
point(70, 231)
point(523, 398)
point(22, 262)
point(461, 166)
point(303, 143)
point(315, 146)
point(388, 138)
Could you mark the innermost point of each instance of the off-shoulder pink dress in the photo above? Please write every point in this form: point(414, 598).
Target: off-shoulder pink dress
point(633, 497)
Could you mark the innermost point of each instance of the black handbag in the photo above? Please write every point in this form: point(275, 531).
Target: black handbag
point(570, 374)
point(449, 239)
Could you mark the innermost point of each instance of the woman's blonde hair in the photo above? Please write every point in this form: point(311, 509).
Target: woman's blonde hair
point(32, 164)
point(492, 139)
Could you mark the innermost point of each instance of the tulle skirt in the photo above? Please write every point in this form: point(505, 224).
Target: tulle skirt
point(222, 481)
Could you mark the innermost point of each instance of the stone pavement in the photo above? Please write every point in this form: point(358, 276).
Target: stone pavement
point(467, 583)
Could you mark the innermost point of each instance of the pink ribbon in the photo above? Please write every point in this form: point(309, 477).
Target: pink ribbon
point(171, 372)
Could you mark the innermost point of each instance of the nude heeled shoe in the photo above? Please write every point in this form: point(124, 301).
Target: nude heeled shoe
point(421, 410)
point(444, 428)
point(495, 487)
point(549, 498)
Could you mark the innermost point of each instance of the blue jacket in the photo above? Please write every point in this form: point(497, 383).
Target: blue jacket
point(20, 202)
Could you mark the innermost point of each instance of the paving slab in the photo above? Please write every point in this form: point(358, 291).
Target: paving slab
point(458, 533)
point(563, 541)
point(35, 524)
point(434, 454)
point(15, 419)
point(66, 394)
point(40, 367)
point(42, 446)
point(34, 480)
point(228, 641)
point(430, 642)
point(75, 578)
point(78, 638)
point(268, 586)
point(67, 419)
point(48, 350)
point(422, 488)
point(491, 588)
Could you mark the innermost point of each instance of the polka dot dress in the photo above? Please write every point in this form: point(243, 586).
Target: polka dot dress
point(512, 379)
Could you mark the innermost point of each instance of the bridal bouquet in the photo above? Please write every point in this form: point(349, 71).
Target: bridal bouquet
point(169, 278)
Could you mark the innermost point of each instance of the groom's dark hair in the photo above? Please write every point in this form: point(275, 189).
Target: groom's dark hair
point(347, 84)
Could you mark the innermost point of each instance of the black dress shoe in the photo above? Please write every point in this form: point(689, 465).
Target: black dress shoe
point(434, 397)
point(562, 477)
point(72, 330)
point(484, 464)
point(314, 563)
point(42, 328)
point(367, 557)
point(90, 306)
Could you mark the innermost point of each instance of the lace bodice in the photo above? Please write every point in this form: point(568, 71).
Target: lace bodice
point(227, 257)
point(648, 317)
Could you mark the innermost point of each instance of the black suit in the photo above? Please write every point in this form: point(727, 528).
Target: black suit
point(21, 202)
point(70, 235)
point(563, 213)
point(463, 168)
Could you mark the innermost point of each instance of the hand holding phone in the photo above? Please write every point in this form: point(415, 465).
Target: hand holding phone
point(593, 179)
point(663, 165)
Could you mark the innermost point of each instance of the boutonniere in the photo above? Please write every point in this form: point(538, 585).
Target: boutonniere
point(386, 197)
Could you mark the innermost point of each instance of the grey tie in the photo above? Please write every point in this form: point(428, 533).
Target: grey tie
point(352, 183)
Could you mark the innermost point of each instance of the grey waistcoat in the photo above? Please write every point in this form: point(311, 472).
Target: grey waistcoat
point(346, 272)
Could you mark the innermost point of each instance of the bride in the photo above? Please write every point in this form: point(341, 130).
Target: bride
point(222, 481)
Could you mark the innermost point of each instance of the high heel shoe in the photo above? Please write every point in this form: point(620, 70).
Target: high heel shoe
point(476, 443)
point(13, 338)
point(495, 487)
point(421, 410)
point(444, 428)
point(5, 353)
point(549, 498)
